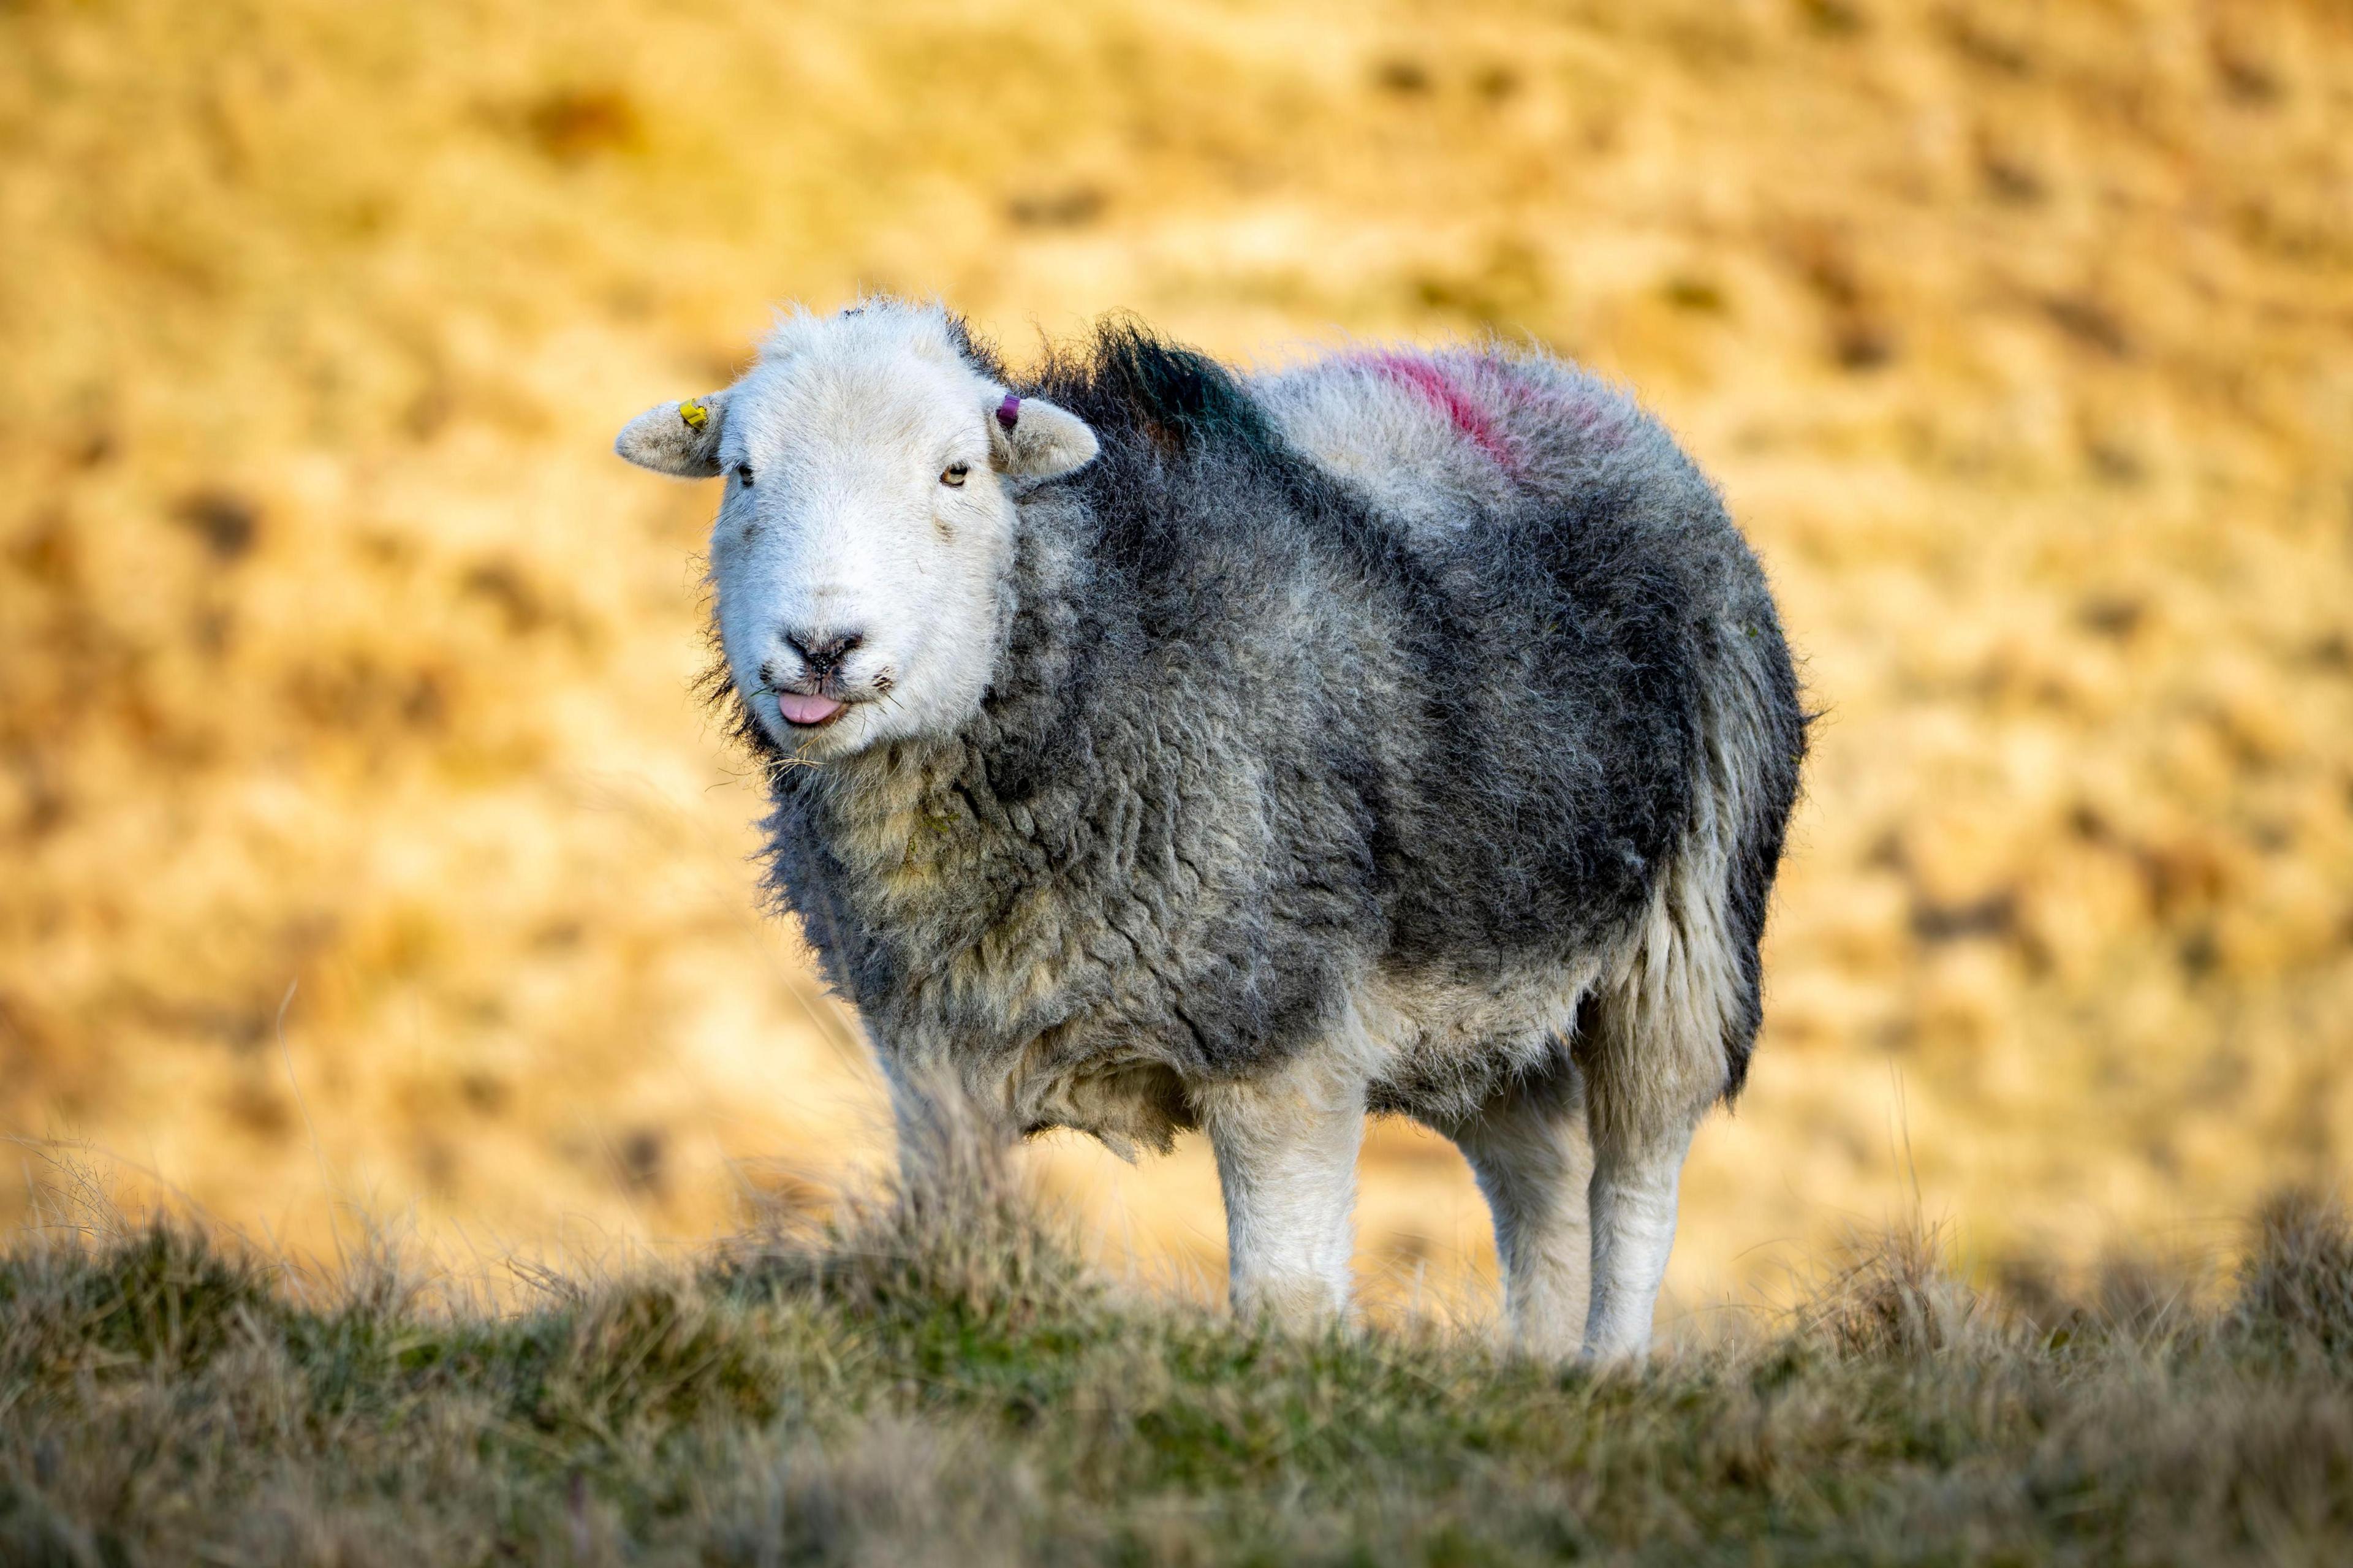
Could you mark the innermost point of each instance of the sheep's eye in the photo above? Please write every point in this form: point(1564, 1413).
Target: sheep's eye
point(953, 473)
point(744, 472)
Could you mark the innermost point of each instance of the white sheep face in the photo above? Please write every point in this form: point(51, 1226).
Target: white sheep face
point(866, 529)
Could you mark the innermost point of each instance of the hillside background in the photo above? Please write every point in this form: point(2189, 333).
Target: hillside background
point(338, 654)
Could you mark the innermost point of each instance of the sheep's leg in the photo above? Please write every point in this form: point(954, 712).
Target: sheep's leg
point(1633, 1206)
point(1287, 1161)
point(1533, 1155)
point(1654, 1051)
point(947, 1139)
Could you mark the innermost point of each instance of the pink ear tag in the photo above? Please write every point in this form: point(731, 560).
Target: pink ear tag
point(1008, 411)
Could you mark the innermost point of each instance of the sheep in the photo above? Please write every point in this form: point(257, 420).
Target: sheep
point(1154, 747)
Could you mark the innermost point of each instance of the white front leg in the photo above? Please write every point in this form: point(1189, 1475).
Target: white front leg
point(1287, 1161)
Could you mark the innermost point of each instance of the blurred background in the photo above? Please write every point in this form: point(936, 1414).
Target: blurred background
point(362, 843)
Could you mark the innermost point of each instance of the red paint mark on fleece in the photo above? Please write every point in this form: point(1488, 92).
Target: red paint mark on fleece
point(1448, 395)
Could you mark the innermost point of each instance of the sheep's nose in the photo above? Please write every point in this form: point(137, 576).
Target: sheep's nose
point(823, 652)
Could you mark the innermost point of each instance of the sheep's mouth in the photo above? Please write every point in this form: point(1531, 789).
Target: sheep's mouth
point(806, 710)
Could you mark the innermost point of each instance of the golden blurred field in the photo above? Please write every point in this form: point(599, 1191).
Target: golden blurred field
point(339, 657)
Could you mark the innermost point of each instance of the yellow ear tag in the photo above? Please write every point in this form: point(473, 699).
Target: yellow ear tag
point(694, 413)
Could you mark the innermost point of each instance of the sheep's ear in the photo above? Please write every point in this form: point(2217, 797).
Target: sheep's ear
point(679, 439)
point(1031, 438)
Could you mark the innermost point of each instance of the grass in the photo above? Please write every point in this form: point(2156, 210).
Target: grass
point(943, 1380)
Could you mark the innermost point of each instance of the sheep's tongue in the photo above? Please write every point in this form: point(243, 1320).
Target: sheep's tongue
point(803, 710)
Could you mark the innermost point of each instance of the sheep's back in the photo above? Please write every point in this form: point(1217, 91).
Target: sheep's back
point(1585, 614)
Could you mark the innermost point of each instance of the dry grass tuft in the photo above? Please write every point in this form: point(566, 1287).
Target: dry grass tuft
point(969, 1234)
point(2295, 1286)
point(1894, 1297)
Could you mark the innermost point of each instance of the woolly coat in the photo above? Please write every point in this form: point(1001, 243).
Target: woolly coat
point(1416, 677)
